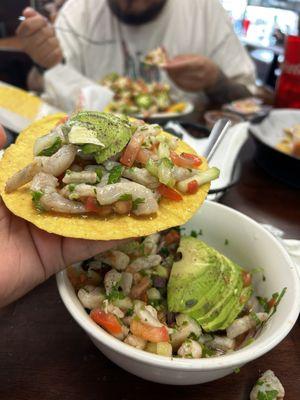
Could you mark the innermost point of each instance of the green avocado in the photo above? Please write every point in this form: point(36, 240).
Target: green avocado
point(206, 285)
point(99, 133)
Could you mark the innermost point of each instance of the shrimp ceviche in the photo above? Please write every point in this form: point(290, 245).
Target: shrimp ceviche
point(172, 295)
point(134, 97)
point(104, 164)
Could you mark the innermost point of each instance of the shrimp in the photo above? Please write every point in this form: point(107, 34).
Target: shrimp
point(221, 343)
point(112, 279)
point(244, 324)
point(54, 165)
point(145, 262)
point(150, 243)
point(179, 173)
point(135, 341)
point(44, 183)
point(51, 200)
point(46, 141)
point(77, 191)
point(190, 349)
point(80, 177)
point(116, 259)
point(57, 203)
point(91, 296)
point(60, 161)
point(142, 176)
point(148, 315)
point(112, 193)
point(23, 176)
point(266, 383)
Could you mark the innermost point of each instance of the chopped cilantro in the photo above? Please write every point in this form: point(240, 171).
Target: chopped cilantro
point(52, 149)
point(200, 232)
point(193, 336)
point(237, 370)
point(194, 234)
point(36, 197)
point(249, 341)
point(263, 301)
point(125, 197)
point(136, 202)
point(99, 174)
point(71, 187)
point(226, 242)
point(207, 351)
point(115, 174)
point(155, 303)
point(255, 318)
point(164, 252)
point(268, 395)
point(129, 312)
point(115, 294)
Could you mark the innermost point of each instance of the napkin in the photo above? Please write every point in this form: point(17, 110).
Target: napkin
point(68, 90)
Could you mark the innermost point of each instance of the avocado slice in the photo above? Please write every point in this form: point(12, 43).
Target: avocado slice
point(101, 134)
point(206, 285)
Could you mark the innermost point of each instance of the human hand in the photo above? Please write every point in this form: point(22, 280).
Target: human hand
point(29, 255)
point(38, 39)
point(192, 73)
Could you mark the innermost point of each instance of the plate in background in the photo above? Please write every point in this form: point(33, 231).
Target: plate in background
point(267, 134)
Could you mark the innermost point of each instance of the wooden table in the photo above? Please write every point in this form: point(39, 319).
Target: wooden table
point(44, 355)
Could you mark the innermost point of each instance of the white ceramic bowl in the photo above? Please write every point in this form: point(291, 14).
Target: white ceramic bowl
point(251, 246)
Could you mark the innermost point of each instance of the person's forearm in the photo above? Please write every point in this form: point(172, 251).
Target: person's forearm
point(226, 90)
point(35, 80)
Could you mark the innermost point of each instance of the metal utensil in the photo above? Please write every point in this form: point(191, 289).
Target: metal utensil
point(78, 35)
point(217, 134)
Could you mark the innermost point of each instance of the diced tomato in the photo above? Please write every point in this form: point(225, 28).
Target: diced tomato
point(150, 333)
point(192, 187)
point(131, 151)
point(108, 321)
point(91, 204)
point(271, 303)
point(143, 156)
point(247, 278)
point(169, 193)
point(172, 236)
point(185, 160)
point(63, 120)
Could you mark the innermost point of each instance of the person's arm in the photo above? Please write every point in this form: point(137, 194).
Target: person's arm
point(224, 71)
point(225, 50)
point(29, 255)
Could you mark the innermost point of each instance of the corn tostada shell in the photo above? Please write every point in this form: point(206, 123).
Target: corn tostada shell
point(89, 226)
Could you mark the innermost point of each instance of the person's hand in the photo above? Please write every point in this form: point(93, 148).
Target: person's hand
point(192, 73)
point(28, 255)
point(38, 39)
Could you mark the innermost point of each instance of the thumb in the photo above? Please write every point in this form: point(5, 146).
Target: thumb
point(2, 137)
point(29, 12)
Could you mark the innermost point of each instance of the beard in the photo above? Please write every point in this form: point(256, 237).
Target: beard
point(129, 16)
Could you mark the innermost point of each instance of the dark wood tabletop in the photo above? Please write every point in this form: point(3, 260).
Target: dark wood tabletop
point(44, 354)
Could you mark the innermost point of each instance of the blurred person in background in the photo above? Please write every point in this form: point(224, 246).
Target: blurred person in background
point(97, 37)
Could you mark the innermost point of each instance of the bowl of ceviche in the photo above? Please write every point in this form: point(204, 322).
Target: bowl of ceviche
point(187, 305)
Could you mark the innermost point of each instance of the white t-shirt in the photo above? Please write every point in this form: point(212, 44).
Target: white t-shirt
point(183, 27)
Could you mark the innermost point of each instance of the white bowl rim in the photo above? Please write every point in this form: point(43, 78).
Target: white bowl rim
point(240, 357)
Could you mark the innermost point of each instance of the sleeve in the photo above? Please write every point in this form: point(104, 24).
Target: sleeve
point(69, 27)
point(224, 47)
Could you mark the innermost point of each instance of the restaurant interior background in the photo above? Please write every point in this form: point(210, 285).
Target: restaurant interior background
point(261, 26)
point(258, 188)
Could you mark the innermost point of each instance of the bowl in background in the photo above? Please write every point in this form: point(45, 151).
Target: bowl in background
point(245, 242)
point(267, 134)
